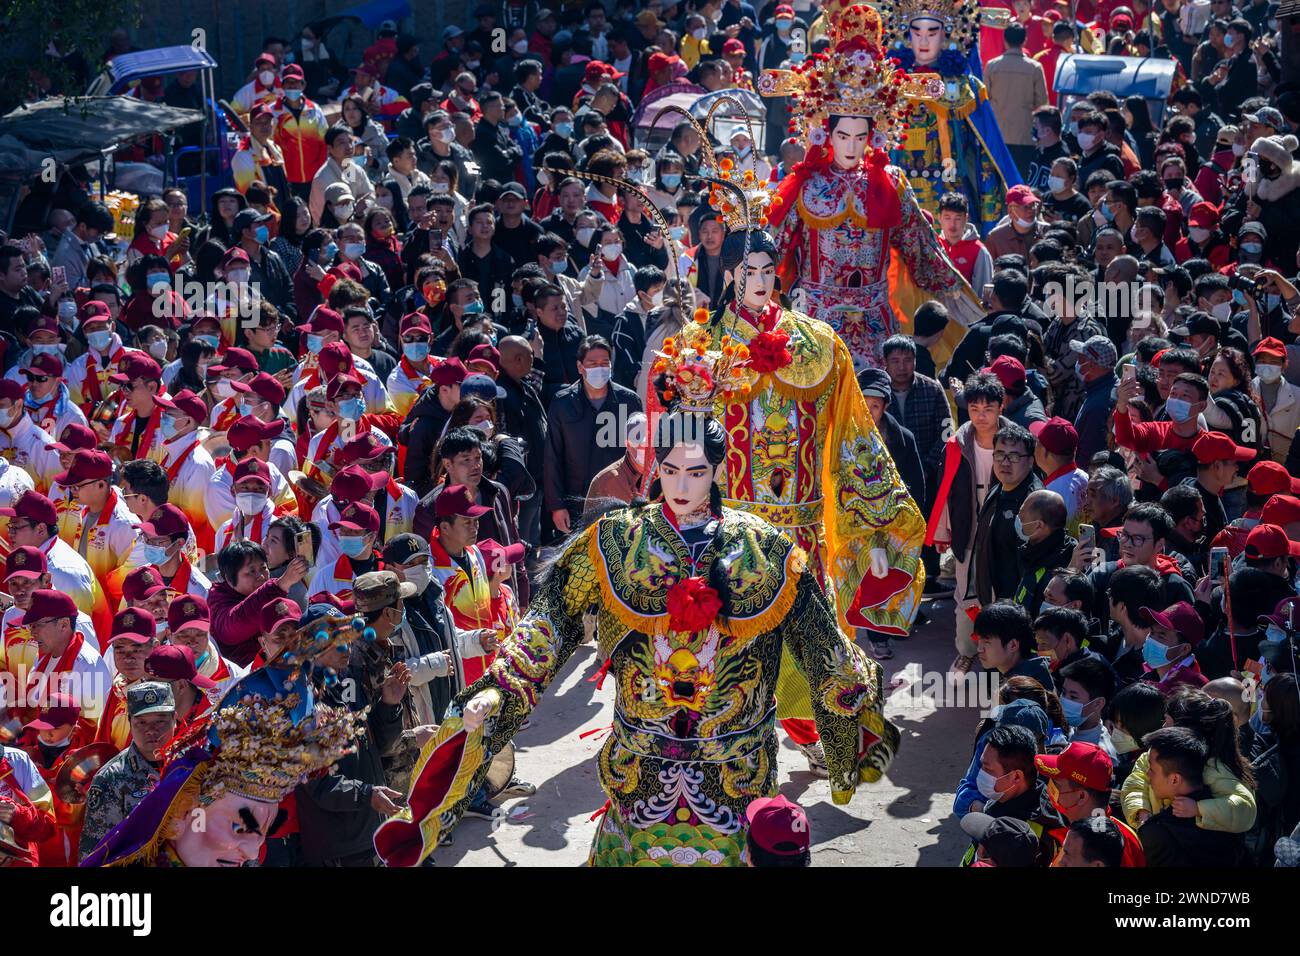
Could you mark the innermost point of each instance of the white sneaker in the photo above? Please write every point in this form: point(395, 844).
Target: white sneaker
point(518, 788)
point(816, 758)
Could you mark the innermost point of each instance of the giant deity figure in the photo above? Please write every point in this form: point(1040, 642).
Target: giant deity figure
point(855, 250)
point(953, 143)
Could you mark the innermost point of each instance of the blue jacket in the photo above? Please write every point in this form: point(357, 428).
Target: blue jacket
point(1093, 421)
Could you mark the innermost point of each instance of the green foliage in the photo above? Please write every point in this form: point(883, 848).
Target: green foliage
point(28, 27)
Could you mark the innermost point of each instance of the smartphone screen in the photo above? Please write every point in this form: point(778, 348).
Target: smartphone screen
point(58, 274)
point(303, 546)
point(1130, 372)
point(1218, 563)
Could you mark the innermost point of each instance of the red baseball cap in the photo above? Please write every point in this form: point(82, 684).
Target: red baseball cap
point(26, 563)
point(47, 604)
point(143, 582)
point(1268, 541)
point(733, 46)
point(232, 256)
point(778, 826)
point(1270, 348)
point(188, 611)
point(1180, 618)
point(247, 431)
point(496, 555)
point(45, 364)
point(324, 319)
point(335, 358)
point(415, 322)
point(292, 72)
point(1281, 510)
point(234, 359)
point(1281, 615)
point(134, 624)
point(88, 464)
point(1057, 435)
point(278, 612)
point(1203, 215)
point(136, 365)
point(353, 483)
point(73, 437)
point(357, 517)
point(185, 402)
point(95, 311)
point(252, 468)
point(457, 502)
point(33, 506)
point(784, 8)
point(176, 662)
point(1084, 764)
point(266, 58)
point(485, 353)
point(1216, 446)
point(264, 385)
point(1022, 195)
point(167, 521)
point(342, 381)
point(61, 711)
point(1010, 371)
point(365, 447)
point(1270, 478)
point(12, 389)
point(450, 372)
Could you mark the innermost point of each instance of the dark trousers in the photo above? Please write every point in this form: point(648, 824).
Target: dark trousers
point(365, 859)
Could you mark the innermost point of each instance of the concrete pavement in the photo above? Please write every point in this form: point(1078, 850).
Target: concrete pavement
point(905, 820)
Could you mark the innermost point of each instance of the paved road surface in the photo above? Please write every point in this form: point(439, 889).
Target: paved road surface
point(905, 820)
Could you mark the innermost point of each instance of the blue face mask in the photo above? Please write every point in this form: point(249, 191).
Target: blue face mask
point(263, 234)
point(167, 427)
point(156, 279)
point(415, 351)
point(1179, 409)
point(564, 129)
point(352, 409)
point(99, 341)
point(293, 96)
point(211, 341)
point(1154, 653)
point(678, 233)
point(330, 252)
point(1251, 249)
point(672, 180)
point(1107, 211)
point(315, 343)
point(153, 554)
point(248, 408)
point(1073, 711)
point(353, 547)
point(557, 268)
point(474, 308)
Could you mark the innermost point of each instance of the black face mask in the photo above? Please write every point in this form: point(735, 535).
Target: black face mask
point(1269, 171)
point(1172, 184)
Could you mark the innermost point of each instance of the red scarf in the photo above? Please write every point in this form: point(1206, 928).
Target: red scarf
point(225, 418)
point(146, 439)
point(180, 582)
point(420, 379)
point(256, 536)
point(1059, 473)
point(65, 662)
point(183, 456)
point(106, 513)
point(93, 385)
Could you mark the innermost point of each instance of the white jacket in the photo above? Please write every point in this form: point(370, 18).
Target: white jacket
point(1283, 418)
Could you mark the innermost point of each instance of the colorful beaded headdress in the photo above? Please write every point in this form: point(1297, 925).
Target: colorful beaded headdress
point(961, 20)
point(853, 78)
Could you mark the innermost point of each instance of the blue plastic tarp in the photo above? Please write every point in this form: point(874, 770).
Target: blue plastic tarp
point(377, 11)
point(126, 68)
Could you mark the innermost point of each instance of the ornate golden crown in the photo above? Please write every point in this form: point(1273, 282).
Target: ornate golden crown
point(853, 78)
point(961, 19)
point(696, 375)
point(264, 754)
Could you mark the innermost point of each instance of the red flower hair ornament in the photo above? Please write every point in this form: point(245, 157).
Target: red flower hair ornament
point(692, 605)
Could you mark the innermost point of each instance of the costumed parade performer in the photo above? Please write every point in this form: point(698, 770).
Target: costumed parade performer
point(953, 143)
point(802, 450)
point(234, 767)
point(856, 251)
point(696, 605)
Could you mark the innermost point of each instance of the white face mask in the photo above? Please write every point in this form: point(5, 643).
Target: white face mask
point(657, 300)
point(250, 503)
point(223, 388)
point(447, 135)
point(1023, 223)
point(158, 349)
point(1199, 235)
point(384, 201)
point(1056, 183)
point(1222, 311)
point(237, 275)
point(267, 77)
point(1087, 141)
point(584, 235)
point(343, 212)
point(612, 250)
point(484, 426)
point(521, 46)
point(699, 34)
point(597, 377)
point(420, 576)
point(1268, 374)
point(158, 232)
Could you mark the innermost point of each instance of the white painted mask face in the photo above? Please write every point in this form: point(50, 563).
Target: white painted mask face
point(686, 476)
